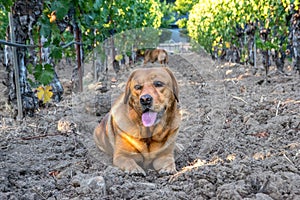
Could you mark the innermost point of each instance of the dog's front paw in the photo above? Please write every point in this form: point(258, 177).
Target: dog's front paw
point(165, 164)
point(168, 170)
point(137, 170)
point(128, 165)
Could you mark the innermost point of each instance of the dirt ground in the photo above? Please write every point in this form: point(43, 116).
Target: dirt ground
point(239, 133)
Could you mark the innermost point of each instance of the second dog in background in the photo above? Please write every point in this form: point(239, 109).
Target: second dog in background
point(153, 55)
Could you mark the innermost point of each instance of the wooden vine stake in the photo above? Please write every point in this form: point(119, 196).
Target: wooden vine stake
point(79, 56)
point(255, 66)
point(16, 68)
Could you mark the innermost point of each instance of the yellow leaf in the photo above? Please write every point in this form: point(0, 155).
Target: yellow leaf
point(119, 57)
point(220, 52)
point(52, 16)
point(44, 93)
point(47, 94)
point(40, 93)
point(227, 44)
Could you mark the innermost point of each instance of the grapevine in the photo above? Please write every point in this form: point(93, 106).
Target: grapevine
point(84, 23)
point(225, 28)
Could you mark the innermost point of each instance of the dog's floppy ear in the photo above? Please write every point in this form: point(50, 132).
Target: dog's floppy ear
point(175, 88)
point(127, 89)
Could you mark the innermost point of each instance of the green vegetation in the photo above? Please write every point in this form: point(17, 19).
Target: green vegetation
point(222, 23)
point(183, 7)
point(214, 24)
point(95, 21)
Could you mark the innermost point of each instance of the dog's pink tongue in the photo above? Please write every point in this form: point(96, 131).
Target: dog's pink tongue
point(148, 118)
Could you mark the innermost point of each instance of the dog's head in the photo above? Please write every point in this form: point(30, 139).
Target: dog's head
point(151, 92)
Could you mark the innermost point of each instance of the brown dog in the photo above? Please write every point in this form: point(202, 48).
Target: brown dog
point(154, 55)
point(141, 128)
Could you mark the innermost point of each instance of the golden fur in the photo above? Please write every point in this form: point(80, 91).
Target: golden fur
point(122, 133)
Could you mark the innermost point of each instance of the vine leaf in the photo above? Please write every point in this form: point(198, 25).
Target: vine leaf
point(119, 57)
point(44, 93)
point(52, 17)
point(44, 73)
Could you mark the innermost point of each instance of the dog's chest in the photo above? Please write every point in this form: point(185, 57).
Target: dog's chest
point(153, 138)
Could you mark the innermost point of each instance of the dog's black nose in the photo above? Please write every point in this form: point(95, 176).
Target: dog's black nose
point(146, 100)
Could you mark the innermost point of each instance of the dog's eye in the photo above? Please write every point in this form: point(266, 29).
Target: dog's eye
point(158, 84)
point(138, 87)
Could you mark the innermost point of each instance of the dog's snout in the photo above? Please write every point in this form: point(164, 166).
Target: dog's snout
point(146, 100)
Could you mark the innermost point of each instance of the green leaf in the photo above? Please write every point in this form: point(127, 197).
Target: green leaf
point(32, 83)
point(56, 53)
point(45, 30)
point(44, 73)
point(29, 68)
point(61, 8)
point(56, 39)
